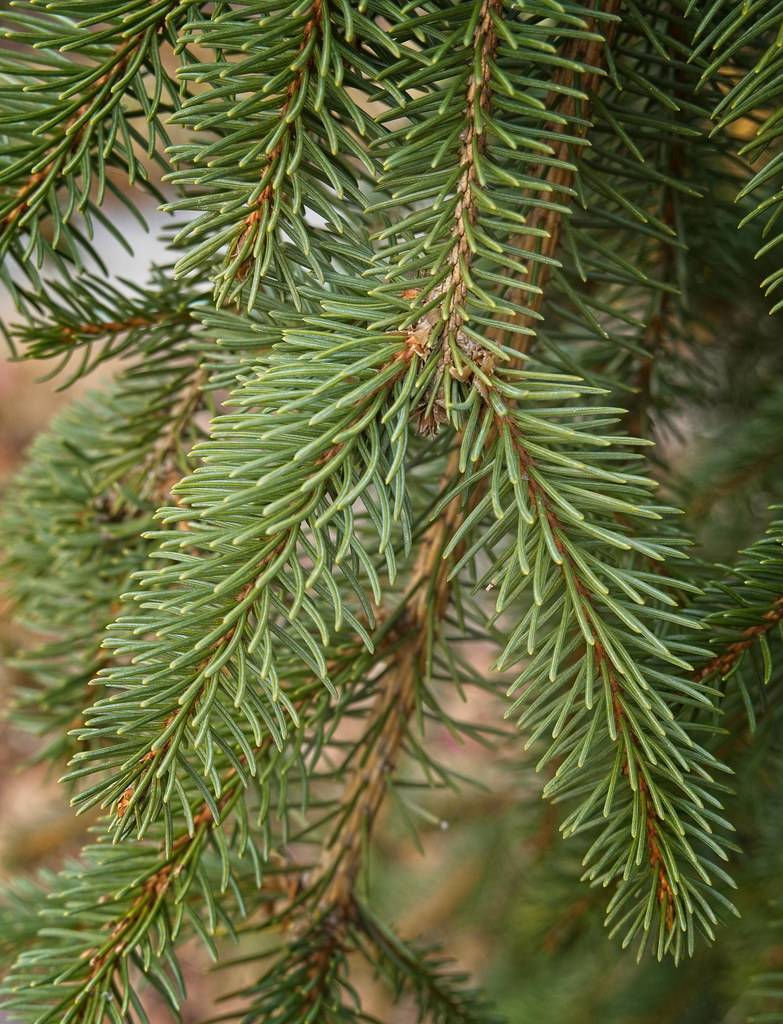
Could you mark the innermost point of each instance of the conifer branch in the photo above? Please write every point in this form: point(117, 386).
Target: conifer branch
point(473, 140)
point(106, 465)
point(743, 609)
point(275, 137)
point(329, 913)
point(161, 888)
point(442, 994)
point(426, 246)
point(83, 117)
point(72, 132)
point(248, 606)
point(301, 67)
point(387, 726)
point(723, 663)
point(634, 757)
point(570, 98)
point(157, 323)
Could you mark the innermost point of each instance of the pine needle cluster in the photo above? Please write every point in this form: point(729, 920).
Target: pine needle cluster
point(450, 287)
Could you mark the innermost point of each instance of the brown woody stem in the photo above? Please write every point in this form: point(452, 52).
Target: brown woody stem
point(473, 141)
point(723, 663)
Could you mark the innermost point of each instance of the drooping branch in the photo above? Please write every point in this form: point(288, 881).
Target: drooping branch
point(559, 173)
point(448, 317)
point(473, 142)
point(573, 575)
point(76, 114)
point(241, 249)
point(123, 923)
point(366, 788)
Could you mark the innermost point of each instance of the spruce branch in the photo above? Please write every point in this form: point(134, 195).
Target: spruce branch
point(599, 639)
point(574, 86)
point(443, 994)
point(73, 525)
point(387, 727)
point(88, 115)
point(427, 246)
point(722, 664)
point(176, 882)
point(473, 139)
point(310, 977)
point(743, 609)
point(158, 890)
point(473, 238)
point(537, 150)
point(312, 466)
point(257, 187)
point(75, 518)
point(155, 327)
point(298, 82)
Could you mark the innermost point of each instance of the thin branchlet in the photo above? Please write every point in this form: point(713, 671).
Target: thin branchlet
point(388, 723)
point(240, 249)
